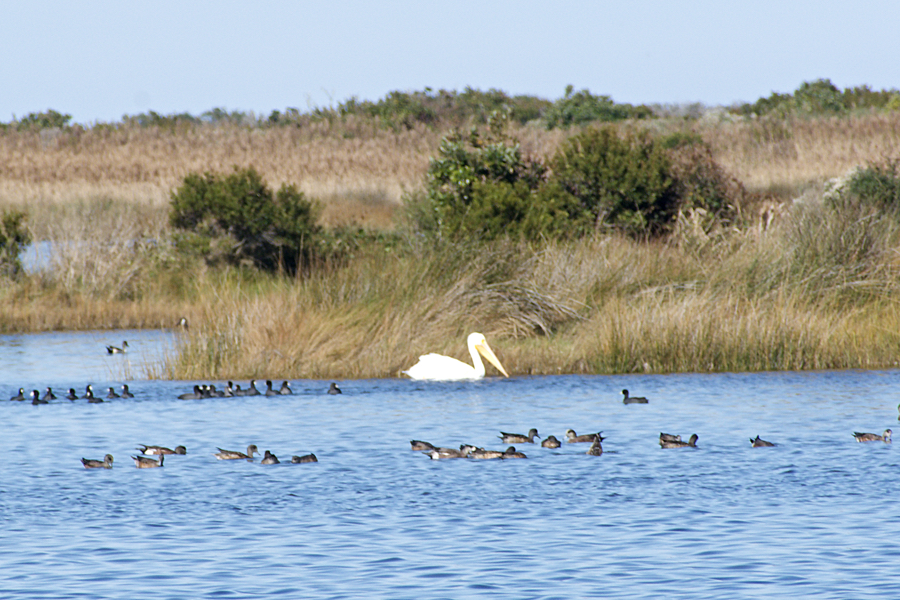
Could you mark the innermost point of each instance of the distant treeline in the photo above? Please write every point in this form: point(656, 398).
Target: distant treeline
point(406, 110)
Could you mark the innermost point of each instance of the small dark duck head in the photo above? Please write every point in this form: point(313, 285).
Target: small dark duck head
point(334, 389)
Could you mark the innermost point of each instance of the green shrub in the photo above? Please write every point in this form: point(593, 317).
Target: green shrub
point(624, 183)
point(877, 186)
point(49, 119)
point(13, 239)
point(578, 108)
point(237, 218)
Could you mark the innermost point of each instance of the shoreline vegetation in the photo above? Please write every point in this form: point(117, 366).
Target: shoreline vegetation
point(769, 240)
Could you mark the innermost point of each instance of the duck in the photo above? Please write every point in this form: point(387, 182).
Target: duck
point(873, 437)
point(269, 459)
point(572, 438)
point(160, 450)
point(235, 455)
point(285, 389)
point(333, 389)
point(115, 350)
point(89, 395)
point(195, 395)
point(36, 398)
point(518, 438)
point(692, 443)
point(596, 448)
point(306, 458)
point(512, 453)
point(442, 453)
point(20, 396)
point(112, 394)
point(228, 392)
point(668, 437)
point(633, 399)
point(269, 390)
point(72, 395)
point(125, 392)
point(251, 390)
point(142, 462)
point(482, 454)
point(183, 324)
point(90, 463)
point(49, 395)
point(420, 446)
point(758, 443)
point(237, 391)
point(550, 442)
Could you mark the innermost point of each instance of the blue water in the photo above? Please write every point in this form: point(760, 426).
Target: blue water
point(815, 516)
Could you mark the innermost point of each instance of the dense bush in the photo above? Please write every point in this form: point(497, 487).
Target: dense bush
point(578, 108)
point(623, 182)
point(821, 98)
point(49, 119)
point(876, 187)
point(480, 185)
point(13, 239)
point(237, 218)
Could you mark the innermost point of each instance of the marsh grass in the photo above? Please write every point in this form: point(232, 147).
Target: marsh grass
point(804, 285)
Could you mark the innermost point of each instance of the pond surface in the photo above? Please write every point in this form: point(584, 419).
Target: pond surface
point(815, 516)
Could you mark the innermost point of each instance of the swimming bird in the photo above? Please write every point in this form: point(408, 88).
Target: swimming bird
point(441, 453)
point(112, 394)
point(235, 455)
point(90, 463)
point(333, 389)
point(238, 391)
point(49, 395)
point(518, 438)
point(572, 438)
point(252, 391)
point(269, 459)
point(228, 392)
point(72, 395)
point(512, 453)
point(269, 390)
point(142, 462)
point(183, 324)
point(36, 398)
point(306, 458)
point(633, 399)
point(668, 437)
point(20, 396)
point(89, 395)
point(873, 437)
point(692, 443)
point(421, 446)
point(550, 442)
point(596, 448)
point(758, 443)
point(160, 450)
point(114, 350)
point(285, 389)
point(482, 454)
point(437, 367)
point(195, 395)
point(125, 392)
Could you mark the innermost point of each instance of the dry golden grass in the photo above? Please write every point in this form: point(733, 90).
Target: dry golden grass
point(790, 155)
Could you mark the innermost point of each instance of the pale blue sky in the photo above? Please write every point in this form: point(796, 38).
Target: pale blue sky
point(99, 60)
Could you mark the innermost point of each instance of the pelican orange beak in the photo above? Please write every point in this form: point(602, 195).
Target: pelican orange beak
point(485, 351)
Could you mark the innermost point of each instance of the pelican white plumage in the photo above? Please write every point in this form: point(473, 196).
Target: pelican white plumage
point(437, 367)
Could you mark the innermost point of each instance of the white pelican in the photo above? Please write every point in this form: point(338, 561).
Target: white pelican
point(438, 367)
